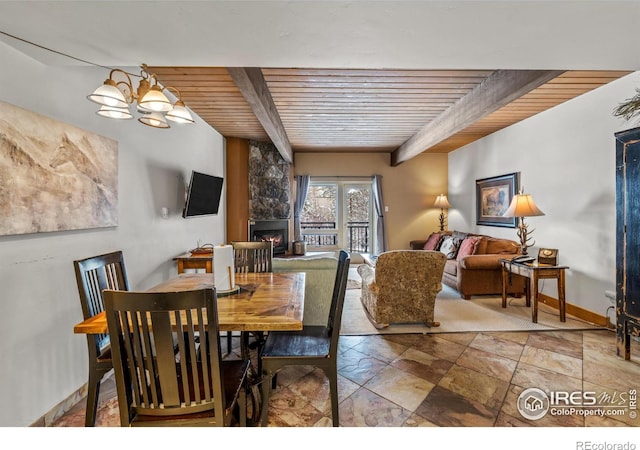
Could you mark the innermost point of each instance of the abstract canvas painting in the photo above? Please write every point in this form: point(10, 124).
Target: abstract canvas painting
point(54, 176)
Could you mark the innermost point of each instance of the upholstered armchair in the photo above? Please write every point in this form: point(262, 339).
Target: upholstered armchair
point(402, 287)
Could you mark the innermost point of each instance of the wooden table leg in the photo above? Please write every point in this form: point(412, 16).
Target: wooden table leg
point(534, 293)
point(561, 300)
point(504, 286)
point(180, 266)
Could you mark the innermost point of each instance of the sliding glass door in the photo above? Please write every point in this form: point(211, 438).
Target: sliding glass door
point(338, 214)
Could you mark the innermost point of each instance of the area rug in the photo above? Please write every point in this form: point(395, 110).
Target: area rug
point(456, 315)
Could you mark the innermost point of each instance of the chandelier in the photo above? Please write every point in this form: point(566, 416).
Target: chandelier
point(115, 97)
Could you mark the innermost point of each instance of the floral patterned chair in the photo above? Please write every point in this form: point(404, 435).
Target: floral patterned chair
point(402, 287)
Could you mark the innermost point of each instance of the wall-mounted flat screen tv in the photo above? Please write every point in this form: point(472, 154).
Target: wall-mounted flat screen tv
point(203, 195)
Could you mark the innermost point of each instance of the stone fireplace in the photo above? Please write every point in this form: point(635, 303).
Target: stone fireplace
point(271, 230)
point(269, 196)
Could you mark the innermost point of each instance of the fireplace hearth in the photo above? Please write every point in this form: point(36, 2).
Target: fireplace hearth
point(271, 230)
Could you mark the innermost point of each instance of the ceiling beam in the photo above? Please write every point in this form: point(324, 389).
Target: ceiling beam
point(500, 88)
point(254, 89)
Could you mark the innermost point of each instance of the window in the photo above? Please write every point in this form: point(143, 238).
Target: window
point(338, 214)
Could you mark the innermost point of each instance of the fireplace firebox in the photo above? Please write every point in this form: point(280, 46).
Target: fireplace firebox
point(271, 230)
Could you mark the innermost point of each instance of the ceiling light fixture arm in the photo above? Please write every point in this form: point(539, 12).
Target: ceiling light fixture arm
point(125, 86)
point(175, 91)
point(149, 77)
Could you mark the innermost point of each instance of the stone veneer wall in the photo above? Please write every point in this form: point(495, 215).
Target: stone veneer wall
point(269, 185)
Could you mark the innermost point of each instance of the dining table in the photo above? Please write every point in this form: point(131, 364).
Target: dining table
point(262, 302)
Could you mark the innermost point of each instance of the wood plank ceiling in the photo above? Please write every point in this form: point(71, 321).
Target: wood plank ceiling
point(351, 110)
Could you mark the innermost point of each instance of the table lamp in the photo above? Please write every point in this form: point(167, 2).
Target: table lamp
point(442, 203)
point(522, 205)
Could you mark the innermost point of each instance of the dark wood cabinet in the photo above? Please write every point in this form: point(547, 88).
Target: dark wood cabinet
point(627, 238)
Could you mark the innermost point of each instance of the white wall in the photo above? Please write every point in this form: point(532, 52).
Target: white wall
point(43, 362)
point(566, 160)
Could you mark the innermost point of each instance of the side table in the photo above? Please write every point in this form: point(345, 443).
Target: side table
point(195, 261)
point(534, 272)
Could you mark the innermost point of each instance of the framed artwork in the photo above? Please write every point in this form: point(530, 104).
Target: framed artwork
point(493, 197)
point(54, 176)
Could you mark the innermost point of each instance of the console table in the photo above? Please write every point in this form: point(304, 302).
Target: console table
point(195, 261)
point(534, 272)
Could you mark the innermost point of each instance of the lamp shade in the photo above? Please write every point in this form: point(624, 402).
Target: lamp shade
point(108, 95)
point(112, 112)
point(179, 113)
point(155, 120)
point(155, 100)
point(522, 205)
point(442, 202)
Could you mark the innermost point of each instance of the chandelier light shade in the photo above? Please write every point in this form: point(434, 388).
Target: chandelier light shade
point(155, 100)
point(522, 205)
point(113, 112)
point(179, 113)
point(154, 119)
point(109, 95)
point(442, 203)
point(116, 97)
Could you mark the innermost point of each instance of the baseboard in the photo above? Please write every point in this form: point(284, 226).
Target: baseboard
point(61, 408)
point(576, 311)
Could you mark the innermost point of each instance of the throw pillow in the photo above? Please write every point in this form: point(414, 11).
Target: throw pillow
point(459, 235)
point(450, 247)
point(433, 241)
point(468, 247)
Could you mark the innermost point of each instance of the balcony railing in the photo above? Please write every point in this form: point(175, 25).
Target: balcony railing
point(358, 236)
point(325, 234)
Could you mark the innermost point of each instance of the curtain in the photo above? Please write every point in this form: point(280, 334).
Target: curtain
point(381, 232)
point(302, 186)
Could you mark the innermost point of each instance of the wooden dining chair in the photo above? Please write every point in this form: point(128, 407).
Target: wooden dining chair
point(157, 386)
point(253, 256)
point(312, 346)
point(93, 275)
point(250, 257)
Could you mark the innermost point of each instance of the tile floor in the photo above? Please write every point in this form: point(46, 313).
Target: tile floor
point(443, 380)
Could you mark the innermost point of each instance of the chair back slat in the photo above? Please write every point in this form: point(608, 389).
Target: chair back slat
point(250, 257)
point(167, 357)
